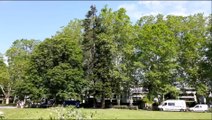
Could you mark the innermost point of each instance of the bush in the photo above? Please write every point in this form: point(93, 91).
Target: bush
point(125, 107)
point(70, 112)
point(133, 107)
point(155, 106)
point(210, 110)
point(11, 104)
point(120, 106)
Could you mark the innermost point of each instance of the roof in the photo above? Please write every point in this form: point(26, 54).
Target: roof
point(138, 90)
point(186, 97)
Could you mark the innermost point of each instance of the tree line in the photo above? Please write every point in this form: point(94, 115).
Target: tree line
point(106, 54)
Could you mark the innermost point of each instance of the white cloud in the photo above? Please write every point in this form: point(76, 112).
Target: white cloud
point(178, 10)
point(151, 6)
point(201, 7)
point(166, 7)
point(132, 10)
point(137, 9)
point(149, 3)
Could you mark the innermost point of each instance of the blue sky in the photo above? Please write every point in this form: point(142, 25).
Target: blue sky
point(41, 19)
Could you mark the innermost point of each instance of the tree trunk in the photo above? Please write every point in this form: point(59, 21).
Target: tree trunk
point(2, 101)
point(7, 99)
point(6, 94)
point(111, 103)
point(131, 101)
point(24, 99)
point(118, 100)
point(163, 97)
point(94, 101)
point(14, 99)
point(103, 101)
point(2, 89)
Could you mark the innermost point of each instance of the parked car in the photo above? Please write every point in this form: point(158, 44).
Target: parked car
point(75, 103)
point(173, 105)
point(46, 103)
point(199, 108)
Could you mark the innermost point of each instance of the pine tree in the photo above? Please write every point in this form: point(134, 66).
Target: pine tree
point(89, 49)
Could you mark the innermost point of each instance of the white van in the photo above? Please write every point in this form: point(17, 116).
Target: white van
point(173, 105)
point(199, 108)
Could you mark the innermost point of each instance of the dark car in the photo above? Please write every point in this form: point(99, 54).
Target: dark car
point(47, 103)
point(75, 103)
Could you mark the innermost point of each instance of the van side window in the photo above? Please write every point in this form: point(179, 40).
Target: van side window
point(171, 104)
point(164, 104)
point(197, 106)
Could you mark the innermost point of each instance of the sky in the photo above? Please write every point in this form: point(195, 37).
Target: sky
point(42, 19)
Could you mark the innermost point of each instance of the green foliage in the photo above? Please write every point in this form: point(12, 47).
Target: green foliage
point(90, 25)
point(1, 57)
point(108, 46)
point(5, 82)
point(117, 31)
point(147, 100)
point(69, 113)
point(18, 59)
point(158, 52)
point(56, 65)
point(170, 50)
point(192, 41)
point(4, 74)
point(206, 65)
point(202, 89)
point(106, 54)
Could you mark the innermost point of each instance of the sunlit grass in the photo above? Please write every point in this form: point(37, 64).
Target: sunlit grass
point(29, 113)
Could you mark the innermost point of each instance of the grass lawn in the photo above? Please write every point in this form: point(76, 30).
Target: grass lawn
point(30, 113)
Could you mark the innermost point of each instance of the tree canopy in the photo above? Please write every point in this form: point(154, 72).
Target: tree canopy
point(106, 54)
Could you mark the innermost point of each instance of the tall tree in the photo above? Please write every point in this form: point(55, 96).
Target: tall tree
point(157, 52)
point(206, 66)
point(5, 82)
point(107, 38)
point(56, 65)
point(191, 41)
point(123, 35)
point(104, 54)
point(170, 51)
point(18, 60)
point(89, 50)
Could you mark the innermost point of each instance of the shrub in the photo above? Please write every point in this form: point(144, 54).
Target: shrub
point(210, 110)
point(11, 104)
point(125, 107)
point(69, 112)
point(155, 106)
point(120, 106)
point(133, 107)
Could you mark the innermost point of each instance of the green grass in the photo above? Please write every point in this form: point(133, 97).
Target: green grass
point(105, 113)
